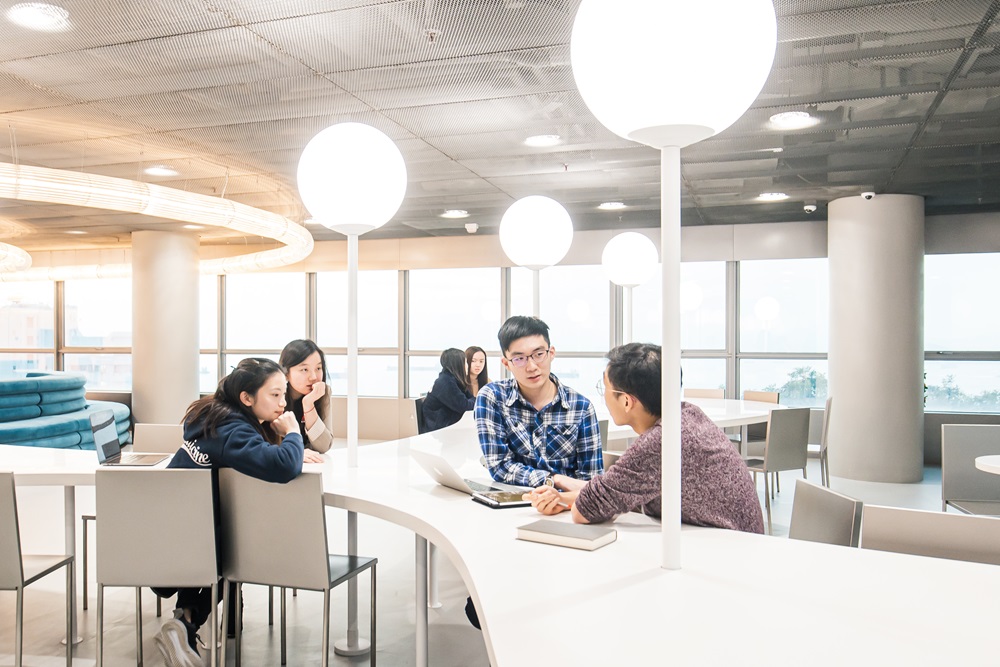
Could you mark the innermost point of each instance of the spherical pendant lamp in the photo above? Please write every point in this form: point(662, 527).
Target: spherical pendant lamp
point(629, 259)
point(536, 232)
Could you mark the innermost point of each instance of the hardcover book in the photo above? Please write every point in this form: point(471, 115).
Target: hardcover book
point(563, 534)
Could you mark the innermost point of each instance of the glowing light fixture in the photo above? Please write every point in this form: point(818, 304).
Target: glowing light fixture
point(56, 186)
point(40, 16)
point(771, 196)
point(536, 232)
point(160, 170)
point(652, 72)
point(75, 231)
point(543, 140)
point(629, 259)
point(793, 120)
point(455, 213)
point(13, 258)
point(612, 206)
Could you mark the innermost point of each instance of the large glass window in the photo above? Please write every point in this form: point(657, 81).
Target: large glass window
point(703, 307)
point(801, 382)
point(453, 308)
point(704, 373)
point(423, 372)
point(26, 315)
point(12, 363)
point(264, 310)
point(99, 313)
point(784, 305)
point(582, 374)
point(208, 373)
point(963, 386)
point(208, 312)
point(960, 302)
point(378, 309)
point(575, 303)
point(378, 374)
point(104, 372)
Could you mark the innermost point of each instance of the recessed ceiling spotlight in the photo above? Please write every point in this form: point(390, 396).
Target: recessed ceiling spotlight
point(771, 196)
point(793, 120)
point(542, 140)
point(194, 227)
point(455, 213)
point(612, 206)
point(160, 170)
point(75, 231)
point(39, 16)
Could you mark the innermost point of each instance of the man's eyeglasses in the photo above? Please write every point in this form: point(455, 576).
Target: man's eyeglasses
point(538, 356)
point(601, 388)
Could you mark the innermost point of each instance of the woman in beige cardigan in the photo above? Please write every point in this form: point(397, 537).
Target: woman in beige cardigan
point(308, 395)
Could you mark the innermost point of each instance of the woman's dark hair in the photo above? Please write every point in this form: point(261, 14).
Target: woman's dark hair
point(453, 361)
point(635, 369)
point(483, 378)
point(248, 376)
point(521, 326)
point(291, 356)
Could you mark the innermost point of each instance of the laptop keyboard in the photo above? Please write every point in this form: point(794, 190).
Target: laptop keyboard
point(132, 459)
point(480, 488)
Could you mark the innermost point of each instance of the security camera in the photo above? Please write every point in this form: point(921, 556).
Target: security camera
point(471, 227)
point(868, 195)
point(809, 208)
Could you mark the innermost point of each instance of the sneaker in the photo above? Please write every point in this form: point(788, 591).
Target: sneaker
point(172, 640)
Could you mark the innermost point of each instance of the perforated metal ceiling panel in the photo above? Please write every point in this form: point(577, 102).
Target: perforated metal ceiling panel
point(228, 92)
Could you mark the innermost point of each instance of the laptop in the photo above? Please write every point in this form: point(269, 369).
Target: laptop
point(109, 449)
point(492, 496)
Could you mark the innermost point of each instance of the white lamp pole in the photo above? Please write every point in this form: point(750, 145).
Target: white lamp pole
point(653, 72)
point(536, 232)
point(629, 259)
point(352, 179)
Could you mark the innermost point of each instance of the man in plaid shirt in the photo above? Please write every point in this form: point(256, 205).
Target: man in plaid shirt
point(533, 429)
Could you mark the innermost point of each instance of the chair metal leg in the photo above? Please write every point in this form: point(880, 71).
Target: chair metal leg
point(100, 624)
point(225, 620)
point(19, 627)
point(159, 606)
point(214, 620)
point(138, 626)
point(86, 559)
point(238, 648)
point(295, 592)
point(777, 482)
point(767, 505)
point(70, 582)
point(371, 646)
point(270, 605)
point(284, 625)
point(325, 662)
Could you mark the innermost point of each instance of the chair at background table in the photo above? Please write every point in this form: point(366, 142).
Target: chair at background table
point(704, 393)
point(784, 448)
point(935, 534)
point(157, 529)
point(755, 434)
point(18, 570)
point(819, 451)
point(963, 486)
point(147, 439)
point(821, 515)
point(275, 535)
point(421, 427)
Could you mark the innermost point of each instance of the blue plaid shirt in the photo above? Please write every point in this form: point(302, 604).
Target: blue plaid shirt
point(524, 446)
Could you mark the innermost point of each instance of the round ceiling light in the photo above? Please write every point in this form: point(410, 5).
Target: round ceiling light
point(543, 140)
point(160, 170)
point(455, 213)
point(612, 206)
point(793, 120)
point(39, 16)
point(772, 196)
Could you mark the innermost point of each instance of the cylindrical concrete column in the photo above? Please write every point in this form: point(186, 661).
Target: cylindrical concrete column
point(876, 250)
point(164, 325)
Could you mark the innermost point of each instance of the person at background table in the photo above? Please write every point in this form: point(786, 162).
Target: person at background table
point(309, 396)
point(243, 426)
point(475, 357)
point(532, 428)
point(450, 397)
point(716, 487)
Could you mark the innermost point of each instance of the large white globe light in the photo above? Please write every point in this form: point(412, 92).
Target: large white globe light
point(351, 178)
point(629, 259)
point(671, 72)
point(536, 232)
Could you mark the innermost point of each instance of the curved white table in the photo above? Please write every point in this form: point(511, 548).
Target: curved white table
point(990, 464)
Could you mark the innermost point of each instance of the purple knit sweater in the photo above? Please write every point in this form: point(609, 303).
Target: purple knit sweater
point(716, 487)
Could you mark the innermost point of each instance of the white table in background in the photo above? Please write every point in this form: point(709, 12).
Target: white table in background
point(990, 464)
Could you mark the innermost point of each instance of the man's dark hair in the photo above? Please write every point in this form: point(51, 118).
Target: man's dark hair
point(635, 369)
point(521, 326)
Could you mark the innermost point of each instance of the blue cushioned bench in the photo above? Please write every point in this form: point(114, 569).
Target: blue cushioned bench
point(42, 409)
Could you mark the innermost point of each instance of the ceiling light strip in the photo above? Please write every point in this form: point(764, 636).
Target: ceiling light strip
point(56, 186)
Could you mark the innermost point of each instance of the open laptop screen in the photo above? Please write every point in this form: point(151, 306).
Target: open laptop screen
point(102, 423)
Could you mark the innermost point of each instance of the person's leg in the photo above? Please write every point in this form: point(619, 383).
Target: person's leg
point(177, 639)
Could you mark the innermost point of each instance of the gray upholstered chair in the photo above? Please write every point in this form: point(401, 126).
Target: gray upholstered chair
point(784, 448)
point(934, 534)
point(275, 535)
point(822, 515)
point(157, 529)
point(963, 486)
point(819, 451)
point(18, 570)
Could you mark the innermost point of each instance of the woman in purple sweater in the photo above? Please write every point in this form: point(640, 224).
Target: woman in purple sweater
point(716, 487)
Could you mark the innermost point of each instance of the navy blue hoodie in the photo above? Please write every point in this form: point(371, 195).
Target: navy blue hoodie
point(237, 444)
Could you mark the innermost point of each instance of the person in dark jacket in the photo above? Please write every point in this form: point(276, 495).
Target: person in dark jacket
point(450, 397)
point(243, 426)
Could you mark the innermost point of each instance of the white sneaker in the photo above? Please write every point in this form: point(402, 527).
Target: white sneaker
point(172, 640)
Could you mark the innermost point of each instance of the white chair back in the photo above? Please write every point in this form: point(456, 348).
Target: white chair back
point(822, 515)
point(704, 393)
point(961, 444)
point(761, 396)
point(11, 574)
point(274, 534)
point(157, 438)
point(787, 444)
point(157, 528)
point(935, 534)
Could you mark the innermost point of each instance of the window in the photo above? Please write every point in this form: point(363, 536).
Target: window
point(703, 307)
point(575, 303)
point(26, 315)
point(13, 363)
point(208, 312)
point(582, 374)
point(378, 309)
point(99, 314)
point(784, 305)
point(704, 373)
point(801, 382)
point(264, 310)
point(453, 308)
point(378, 374)
point(962, 386)
point(423, 372)
point(960, 297)
point(104, 372)
point(208, 373)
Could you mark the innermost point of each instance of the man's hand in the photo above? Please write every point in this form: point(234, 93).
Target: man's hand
point(546, 500)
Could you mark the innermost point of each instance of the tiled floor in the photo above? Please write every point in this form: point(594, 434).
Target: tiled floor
point(453, 642)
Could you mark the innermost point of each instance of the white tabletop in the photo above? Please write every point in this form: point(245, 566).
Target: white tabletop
point(724, 413)
point(990, 464)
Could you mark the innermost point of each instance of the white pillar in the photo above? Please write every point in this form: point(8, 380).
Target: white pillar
point(876, 250)
point(164, 325)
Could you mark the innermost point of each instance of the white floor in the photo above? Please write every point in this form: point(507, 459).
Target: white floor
point(453, 642)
